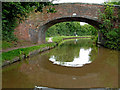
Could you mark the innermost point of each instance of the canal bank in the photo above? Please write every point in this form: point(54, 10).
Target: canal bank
point(22, 53)
point(19, 54)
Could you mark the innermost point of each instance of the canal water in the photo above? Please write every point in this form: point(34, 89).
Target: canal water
point(73, 64)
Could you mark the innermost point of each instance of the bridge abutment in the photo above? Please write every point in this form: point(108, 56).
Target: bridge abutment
point(41, 36)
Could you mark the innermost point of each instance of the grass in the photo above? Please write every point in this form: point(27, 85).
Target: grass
point(47, 38)
point(58, 39)
point(6, 45)
point(11, 44)
point(23, 51)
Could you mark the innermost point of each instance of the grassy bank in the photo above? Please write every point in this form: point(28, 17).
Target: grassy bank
point(58, 39)
point(23, 51)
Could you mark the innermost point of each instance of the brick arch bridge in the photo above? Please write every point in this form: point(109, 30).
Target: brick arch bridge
point(33, 29)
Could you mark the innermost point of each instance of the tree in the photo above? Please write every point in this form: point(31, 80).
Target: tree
point(71, 29)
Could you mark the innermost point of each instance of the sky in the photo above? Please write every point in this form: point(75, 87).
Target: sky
point(83, 23)
point(82, 1)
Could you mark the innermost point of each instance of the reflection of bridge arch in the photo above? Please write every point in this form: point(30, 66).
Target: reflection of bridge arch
point(33, 29)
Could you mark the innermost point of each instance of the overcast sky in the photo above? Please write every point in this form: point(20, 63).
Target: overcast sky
point(83, 1)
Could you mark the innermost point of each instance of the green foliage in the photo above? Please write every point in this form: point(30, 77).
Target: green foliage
point(110, 33)
point(95, 38)
point(70, 29)
point(114, 3)
point(15, 12)
point(57, 39)
point(52, 10)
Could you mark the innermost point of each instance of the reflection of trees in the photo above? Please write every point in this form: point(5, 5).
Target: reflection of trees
point(65, 53)
point(70, 50)
point(93, 53)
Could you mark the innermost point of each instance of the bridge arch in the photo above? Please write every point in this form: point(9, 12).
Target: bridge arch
point(44, 28)
point(33, 29)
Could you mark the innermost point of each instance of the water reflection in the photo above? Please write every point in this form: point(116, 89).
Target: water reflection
point(79, 61)
point(40, 71)
point(74, 53)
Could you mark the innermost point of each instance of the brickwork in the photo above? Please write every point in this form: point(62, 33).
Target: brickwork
point(34, 28)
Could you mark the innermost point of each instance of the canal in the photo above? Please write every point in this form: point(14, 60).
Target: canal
point(72, 64)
